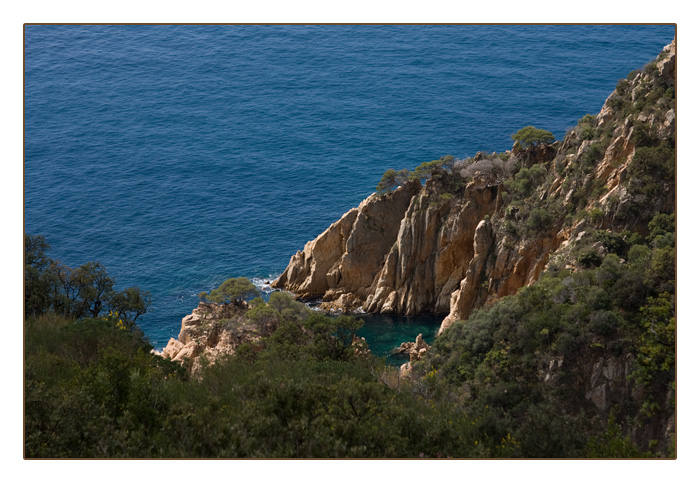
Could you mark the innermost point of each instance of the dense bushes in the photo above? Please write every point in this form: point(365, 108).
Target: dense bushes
point(94, 389)
point(651, 168)
point(497, 357)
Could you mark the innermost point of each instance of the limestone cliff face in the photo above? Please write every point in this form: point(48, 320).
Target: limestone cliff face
point(450, 249)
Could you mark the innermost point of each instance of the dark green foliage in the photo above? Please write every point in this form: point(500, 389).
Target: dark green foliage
point(585, 128)
point(234, 289)
point(130, 303)
point(265, 317)
point(612, 444)
point(428, 169)
point(496, 358)
point(618, 243)
point(596, 215)
point(271, 408)
point(588, 119)
point(587, 133)
point(592, 155)
point(388, 182)
point(93, 389)
point(525, 181)
point(660, 226)
point(37, 283)
point(530, 136)
point(332, 335)
point(51, 287)
point(642, 135)
point(589, 258)
point(539, 220)
point(437, 168)
point(622, 85)
point(651, 168)
point(657, 343)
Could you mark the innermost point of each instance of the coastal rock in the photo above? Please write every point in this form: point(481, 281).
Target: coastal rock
point(415, 350)
point(431, 248)
point(464, 299)
point(209, 332)
point(432, 251)
point(346, 257)
point(172, 349)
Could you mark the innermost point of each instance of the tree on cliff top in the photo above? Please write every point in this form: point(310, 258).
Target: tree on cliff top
point(234, 289)
point(392, 179)
point(530, 136)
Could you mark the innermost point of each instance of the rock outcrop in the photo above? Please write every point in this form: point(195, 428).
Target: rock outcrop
point(415, 350)
point(440, 249)
point(341, 263)
point(209, 332)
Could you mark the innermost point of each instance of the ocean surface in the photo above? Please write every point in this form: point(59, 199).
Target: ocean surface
point(180, 156)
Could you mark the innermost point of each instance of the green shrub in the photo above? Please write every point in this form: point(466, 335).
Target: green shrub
point(530, 136)
point(589, 258)
point(51, 287)
point(587, 119)
point(234, 289)
point(596, 215)
point(588, 132)
point(592, 155)
point(660, 225)
point(539, 219)
point(621, 86)
point(525, 181)
point(651, 168)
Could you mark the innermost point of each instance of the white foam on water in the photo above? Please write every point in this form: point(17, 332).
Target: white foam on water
point(264, 283)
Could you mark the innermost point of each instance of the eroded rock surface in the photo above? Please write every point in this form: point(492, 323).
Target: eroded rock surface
point(209, 332)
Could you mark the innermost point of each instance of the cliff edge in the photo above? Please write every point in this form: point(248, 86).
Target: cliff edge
point(483, 227)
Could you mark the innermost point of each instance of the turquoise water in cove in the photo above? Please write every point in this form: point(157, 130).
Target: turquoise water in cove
point(180, 156)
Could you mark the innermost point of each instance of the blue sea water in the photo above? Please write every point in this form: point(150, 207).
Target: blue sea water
point(180, 156)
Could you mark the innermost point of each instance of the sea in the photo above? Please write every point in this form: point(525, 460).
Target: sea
point(179, 156)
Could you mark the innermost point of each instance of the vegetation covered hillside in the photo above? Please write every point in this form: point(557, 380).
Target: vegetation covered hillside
point(298, 384)
point(295, 386)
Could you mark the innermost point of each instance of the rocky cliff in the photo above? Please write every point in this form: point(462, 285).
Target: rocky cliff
point(486, 226)
point(209, 332)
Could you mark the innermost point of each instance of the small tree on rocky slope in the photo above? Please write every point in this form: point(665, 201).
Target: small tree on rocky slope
point(234, 289)
point(530, 136)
